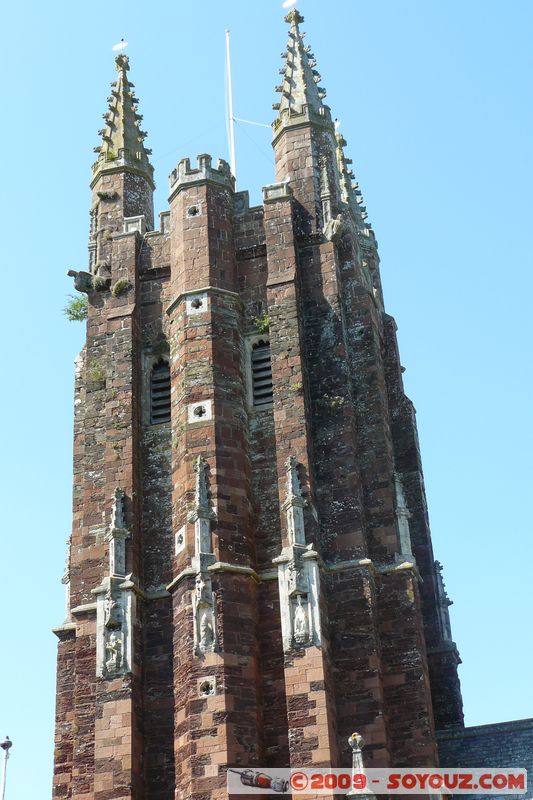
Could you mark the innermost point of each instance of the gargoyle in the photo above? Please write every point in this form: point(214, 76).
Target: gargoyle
point(83, 281)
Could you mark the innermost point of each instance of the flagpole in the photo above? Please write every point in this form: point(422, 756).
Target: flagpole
point(6, 744)
point(231, 127)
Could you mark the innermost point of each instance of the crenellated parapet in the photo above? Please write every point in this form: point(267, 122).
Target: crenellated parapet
point(185, 176)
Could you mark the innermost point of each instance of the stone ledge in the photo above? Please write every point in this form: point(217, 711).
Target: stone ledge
point(269, 574)
point(66, 628)
point(85, 608)
point(202, 290)
point(238, 569)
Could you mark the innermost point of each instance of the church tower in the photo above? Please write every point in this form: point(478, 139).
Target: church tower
point(250, 575)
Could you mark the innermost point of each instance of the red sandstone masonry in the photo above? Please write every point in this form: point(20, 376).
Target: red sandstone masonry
point(222, 729)
point(310, 712)
point(338, 407)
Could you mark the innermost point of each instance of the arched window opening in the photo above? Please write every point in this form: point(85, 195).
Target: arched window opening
point(160, 393)
point(261, 373)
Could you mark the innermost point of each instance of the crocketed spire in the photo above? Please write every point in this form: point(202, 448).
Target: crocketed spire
point(122, 145)
point(300, 92)
point(350, 192)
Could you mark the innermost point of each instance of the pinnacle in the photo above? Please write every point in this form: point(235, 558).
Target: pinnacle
point(294, 17)
point(299, 90)
point(350, 192)
point(122, 144)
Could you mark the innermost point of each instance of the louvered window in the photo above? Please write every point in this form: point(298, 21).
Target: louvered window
point(261, 374)
point(160, 393)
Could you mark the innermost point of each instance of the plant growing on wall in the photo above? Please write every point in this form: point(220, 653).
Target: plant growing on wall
point(77, 308)
point(262, 323)
point(96, 372)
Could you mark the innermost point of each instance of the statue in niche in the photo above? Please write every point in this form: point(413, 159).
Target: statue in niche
point(113, 649)
point(300, 623)
point(112, 612)
point(202, 591)
point(206, 639)
point(296, 578)
point(204, 616)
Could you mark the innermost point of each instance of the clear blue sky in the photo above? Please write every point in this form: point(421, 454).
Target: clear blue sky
point(435, 102)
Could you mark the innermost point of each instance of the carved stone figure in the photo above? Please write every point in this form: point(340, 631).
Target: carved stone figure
point(83, 281)
point(206, 630)
point(113, 649)
point(300, 622)
point(333, 229)
point(204, 616)
point(296, 578)
point(202, 590)
point(112, 612)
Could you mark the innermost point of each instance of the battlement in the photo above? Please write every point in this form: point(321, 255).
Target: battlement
point(185, 175)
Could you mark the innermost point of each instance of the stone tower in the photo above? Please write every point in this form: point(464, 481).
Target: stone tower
point(250, 576)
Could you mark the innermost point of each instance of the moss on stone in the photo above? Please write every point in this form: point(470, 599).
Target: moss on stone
point(120, 287)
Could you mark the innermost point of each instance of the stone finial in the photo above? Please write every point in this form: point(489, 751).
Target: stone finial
point(294, 18)
point(117, 511)
point(403, 516)
point(200, 497)
point(294, 503)
point(293, 482)
point(444, 603)
point(357, 743)
point(122, 144)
